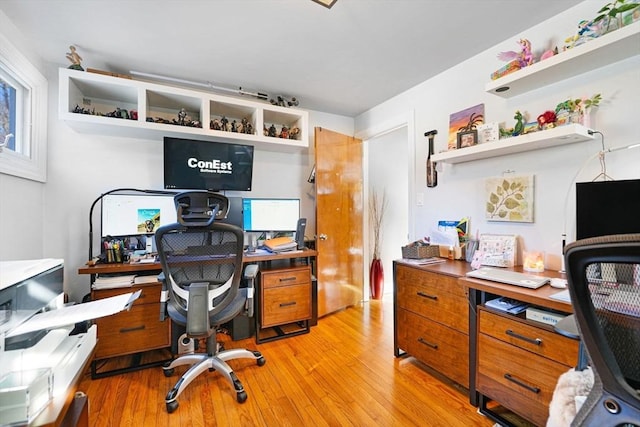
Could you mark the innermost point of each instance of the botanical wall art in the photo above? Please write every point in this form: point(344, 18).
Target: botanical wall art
point(509, 198)
point(462, 122)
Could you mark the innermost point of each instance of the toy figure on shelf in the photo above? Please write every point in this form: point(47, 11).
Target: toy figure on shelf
point(547, 120)
point(74, 58)
point(587, 31)
point(519, 127)
point(524, 57)
point(549, 53)
point(272, 131)
point(284, 132)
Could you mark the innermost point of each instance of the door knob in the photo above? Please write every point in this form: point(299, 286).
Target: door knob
point(322, 237)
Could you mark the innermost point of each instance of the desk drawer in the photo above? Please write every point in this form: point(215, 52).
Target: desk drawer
point(150, 293)
point(442, 348)
point(285, 304)
point(445, 302)
point(285, 277)
point(517, 378)
point(529, 337)
point(132, 331)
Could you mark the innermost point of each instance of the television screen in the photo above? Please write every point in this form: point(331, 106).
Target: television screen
point(205, 165)
point(607, 207)
point(135, 214)
point(270, 214)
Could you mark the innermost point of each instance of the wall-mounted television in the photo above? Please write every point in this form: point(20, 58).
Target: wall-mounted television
point(191, 164)
point(267, 215)
point(607, 207)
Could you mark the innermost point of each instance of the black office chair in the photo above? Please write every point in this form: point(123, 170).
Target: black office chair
point(604, 283)
point(201, 275)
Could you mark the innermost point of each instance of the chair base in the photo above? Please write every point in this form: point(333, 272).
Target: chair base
point(206, 362)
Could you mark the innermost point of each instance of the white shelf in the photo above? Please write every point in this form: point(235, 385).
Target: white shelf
point(607, 49)
point(554, 137)
point(105, 93)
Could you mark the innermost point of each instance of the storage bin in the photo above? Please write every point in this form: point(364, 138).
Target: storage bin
point(421, 251)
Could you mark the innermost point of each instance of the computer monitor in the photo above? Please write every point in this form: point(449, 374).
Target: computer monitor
point(136, 214)
point(270, 215)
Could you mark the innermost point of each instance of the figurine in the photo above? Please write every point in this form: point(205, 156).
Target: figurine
point(547, 120)
point(549, 53)
point(524, 57)
point(284, 132)
point(272, 131)
point(74, 58)
point(215, 124)
point(182, 115)
point(223, 123)
point(519, 127)
point(294, 132)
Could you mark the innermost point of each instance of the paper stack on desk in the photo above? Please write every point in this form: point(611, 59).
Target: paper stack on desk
point(109, 282)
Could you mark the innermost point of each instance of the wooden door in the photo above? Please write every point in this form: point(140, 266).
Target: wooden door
point(339, 203)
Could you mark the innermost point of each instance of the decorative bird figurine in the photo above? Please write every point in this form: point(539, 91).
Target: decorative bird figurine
point(519, 127)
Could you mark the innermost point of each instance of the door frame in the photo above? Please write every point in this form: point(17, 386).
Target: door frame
point(403, 120)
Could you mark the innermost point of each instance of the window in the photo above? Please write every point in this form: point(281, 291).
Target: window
point(23, 115)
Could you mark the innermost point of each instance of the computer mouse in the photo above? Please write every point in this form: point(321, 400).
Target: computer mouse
point(558, 283)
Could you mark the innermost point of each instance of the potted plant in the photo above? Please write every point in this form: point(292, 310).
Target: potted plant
point(610, 16)
point(576, 110)
point(377, 207)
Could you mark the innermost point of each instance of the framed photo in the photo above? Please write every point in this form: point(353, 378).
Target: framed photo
point(467, 138)
point(509, 198)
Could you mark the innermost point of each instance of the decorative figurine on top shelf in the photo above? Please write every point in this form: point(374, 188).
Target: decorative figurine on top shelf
point(272, 131)
point(182, 115)
point(284, 132)
point(281, 101)
point(75, 59)
point(215, 124)
point(517, 60)
point(294, 132)
point(518, 129)
point(587, 30)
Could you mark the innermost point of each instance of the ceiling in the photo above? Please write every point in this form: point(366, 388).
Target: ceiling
point(342, 60)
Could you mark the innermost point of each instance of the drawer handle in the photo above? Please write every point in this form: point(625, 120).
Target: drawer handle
point(135, 328)
point(536, 390)
point(433, 297)
point(286, 304)
point(427, 343)
point(535, 341)
point(287, 279)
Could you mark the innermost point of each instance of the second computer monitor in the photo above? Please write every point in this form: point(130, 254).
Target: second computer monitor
point(270, 215)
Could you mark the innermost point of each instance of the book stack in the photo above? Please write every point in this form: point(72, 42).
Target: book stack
point(507, 305)
point(280, 244)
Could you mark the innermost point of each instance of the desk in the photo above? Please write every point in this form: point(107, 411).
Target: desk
point(141, 330)
point(514, 361)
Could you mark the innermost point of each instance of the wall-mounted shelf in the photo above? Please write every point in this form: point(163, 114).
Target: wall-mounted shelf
point(607, 49)
point(554, 137)
point(105, 93)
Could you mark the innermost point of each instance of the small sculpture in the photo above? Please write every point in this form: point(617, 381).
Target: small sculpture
point(524, 57)
point(182, 115)
point(547, 120)
point(519, 127)
point(284, 132)
point(294, 132)
point(272, 131)
point(75, 59)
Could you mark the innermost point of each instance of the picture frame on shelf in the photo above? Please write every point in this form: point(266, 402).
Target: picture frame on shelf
point(463, 121)
point(467, 138)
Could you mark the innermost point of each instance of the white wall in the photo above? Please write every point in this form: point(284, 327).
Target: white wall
point(460, 187)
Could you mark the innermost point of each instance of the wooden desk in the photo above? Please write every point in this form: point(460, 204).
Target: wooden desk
point(514, 361)
point(146, 332)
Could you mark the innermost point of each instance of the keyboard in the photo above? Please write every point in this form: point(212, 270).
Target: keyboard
point(509, 277)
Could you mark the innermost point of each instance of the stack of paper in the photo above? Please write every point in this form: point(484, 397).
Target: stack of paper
point(110, 282)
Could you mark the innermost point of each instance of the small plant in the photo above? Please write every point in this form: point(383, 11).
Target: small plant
point(574, 105)
point(594, 101)
point(612, 10)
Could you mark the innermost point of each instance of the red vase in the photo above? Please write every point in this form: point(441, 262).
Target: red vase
point(376, 278)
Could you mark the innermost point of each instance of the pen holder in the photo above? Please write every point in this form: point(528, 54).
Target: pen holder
point(114, 256)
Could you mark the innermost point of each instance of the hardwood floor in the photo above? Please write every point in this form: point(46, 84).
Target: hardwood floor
point(343, 373)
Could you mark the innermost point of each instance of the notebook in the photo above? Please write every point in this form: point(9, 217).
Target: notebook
point(509, 277)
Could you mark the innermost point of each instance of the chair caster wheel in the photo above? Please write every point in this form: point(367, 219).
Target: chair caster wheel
point(261, 361)
point(167, 373)
point(241, 397)
point(172, 406)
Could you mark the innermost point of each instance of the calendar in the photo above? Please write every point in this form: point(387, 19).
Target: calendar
point(498, 250)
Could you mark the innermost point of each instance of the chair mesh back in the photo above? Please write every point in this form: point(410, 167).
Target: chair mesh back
point(604, 282)
point(210, 255)
point(614, 290)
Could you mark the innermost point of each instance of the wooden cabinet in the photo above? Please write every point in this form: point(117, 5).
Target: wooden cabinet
point(519, 363)
point(431, 320)
point(284, 302)
point(135, 330)
point(86, 99)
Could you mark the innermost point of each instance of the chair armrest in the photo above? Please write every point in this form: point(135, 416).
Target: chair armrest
point(250, 275)
point(164, 296)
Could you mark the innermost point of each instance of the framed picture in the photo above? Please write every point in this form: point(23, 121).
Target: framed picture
point(463, 121)
point(509, 198)
point(467, 138)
